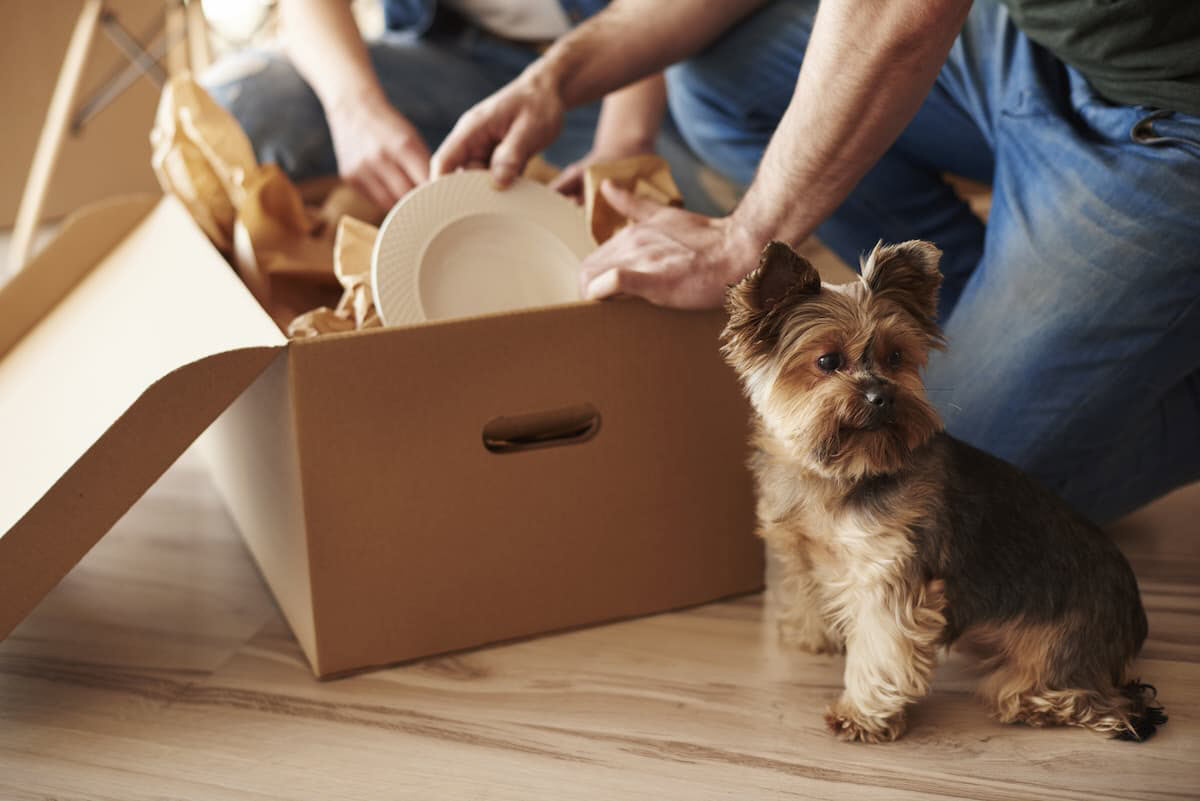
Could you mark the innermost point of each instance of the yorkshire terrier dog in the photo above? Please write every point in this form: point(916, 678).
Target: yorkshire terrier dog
point(892, 539)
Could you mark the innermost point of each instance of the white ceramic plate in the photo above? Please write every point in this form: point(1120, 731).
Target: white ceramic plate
point(456, 247)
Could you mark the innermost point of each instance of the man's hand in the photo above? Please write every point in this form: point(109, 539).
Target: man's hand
point(505, 130)
point(668, 256)
point(378, 151)
point(625, 42)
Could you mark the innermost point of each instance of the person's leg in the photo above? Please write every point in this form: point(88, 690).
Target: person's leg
point(277, 110)
point(430, 81)
point(1073, 347)
point(1073, 351)
point(1150, 457)
point(729, 99)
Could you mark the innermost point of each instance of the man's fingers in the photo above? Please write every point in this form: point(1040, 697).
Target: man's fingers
point(603, 259)
point(622, 281)
point(510, 156)
point(569, 183)
point(607, 270)
point(565, 180)
point(412, 157)
point(395, 180)
point(635, 208)
point(459, 146)
point(602, 286)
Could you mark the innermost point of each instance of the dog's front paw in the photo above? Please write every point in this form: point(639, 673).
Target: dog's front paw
point(848, 724)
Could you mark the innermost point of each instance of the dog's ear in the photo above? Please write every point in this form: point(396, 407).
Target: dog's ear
point(758, 304)
point(907, 274)
point(783, 275)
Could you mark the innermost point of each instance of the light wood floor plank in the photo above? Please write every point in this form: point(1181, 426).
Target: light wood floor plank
point(160, 668)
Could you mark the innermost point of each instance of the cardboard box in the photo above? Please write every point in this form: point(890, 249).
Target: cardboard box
point(405, 491)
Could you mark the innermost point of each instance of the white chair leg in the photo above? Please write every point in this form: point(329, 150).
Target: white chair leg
point(58, 119)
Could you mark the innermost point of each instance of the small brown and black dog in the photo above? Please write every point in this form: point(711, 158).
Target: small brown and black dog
point(892, 539)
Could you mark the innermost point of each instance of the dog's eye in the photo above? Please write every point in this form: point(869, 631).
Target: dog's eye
point(894, 358)
point(830, 362)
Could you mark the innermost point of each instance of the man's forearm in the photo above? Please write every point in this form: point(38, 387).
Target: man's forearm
point(631, 117)
point(632, 39)
point(325, 45)
point(868, 67)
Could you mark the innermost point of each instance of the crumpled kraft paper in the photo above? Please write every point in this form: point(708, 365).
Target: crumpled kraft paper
point(352, 264)
point(646, 176)
point(300, 260)
point(255, 215)
point(540, 170)
point(201, 156)
point(355, 241)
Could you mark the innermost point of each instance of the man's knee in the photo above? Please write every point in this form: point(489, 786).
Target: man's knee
point(277, 110)
point(728, 99)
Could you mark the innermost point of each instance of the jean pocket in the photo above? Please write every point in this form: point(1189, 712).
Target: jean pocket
point(1139, 125)
point(1164, 128)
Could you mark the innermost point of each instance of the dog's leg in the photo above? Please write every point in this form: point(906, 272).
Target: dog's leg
point(891, 649)
point(1045, 675)
point(1128, 712)
point(794, 603)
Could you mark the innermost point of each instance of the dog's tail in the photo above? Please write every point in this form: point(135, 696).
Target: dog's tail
point(1143, 716)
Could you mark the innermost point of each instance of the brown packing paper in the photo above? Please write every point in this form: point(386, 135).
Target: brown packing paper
point(282, 248)
point(646, 176)
point(540, 170)
point(352, 264)
point(339, 200)
point(201, 156)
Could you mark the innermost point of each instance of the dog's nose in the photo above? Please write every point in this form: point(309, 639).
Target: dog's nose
point(879, 396)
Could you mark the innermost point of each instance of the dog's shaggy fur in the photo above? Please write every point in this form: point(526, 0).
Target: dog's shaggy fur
point(892, 539)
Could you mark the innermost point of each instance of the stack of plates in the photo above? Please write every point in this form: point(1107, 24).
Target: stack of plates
point(456, 247)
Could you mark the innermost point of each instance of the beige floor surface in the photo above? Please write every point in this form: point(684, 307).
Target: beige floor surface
point(161, 669)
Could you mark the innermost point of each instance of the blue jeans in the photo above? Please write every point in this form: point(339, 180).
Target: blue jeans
point(431, 80)
point(1073, 316)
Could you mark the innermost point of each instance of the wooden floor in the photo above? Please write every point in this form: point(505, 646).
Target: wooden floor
point(160, 668)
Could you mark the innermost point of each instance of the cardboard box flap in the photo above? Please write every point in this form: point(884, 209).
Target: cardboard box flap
point(128, 362)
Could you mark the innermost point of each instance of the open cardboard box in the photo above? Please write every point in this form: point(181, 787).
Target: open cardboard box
point(405, 491)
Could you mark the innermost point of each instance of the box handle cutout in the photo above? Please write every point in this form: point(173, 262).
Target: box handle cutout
point(569, 425)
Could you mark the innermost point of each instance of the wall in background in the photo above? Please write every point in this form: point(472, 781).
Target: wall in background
point(112, 154)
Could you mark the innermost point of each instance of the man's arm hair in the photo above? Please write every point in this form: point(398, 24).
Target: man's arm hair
point(633, 39)
point(324, 44)
point(868, 67)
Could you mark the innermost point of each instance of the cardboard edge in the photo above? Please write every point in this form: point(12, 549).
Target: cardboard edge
point(317, 655)
point(313, 645)
point(86, 237)
point(575, 306)
point(85, 502)
point(267, 529)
